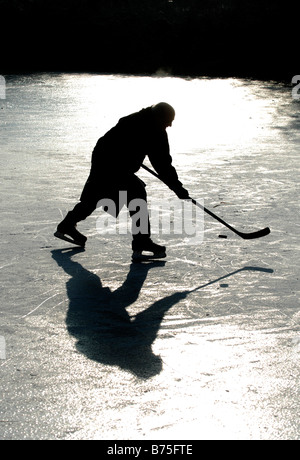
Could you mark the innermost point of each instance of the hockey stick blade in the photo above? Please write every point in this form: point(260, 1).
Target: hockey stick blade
point(245, 236)
point(253, 235)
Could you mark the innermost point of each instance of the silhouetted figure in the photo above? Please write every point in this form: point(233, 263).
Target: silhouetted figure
point(116, 158)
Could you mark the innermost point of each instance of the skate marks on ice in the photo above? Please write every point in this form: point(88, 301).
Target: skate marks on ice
point(98, 319)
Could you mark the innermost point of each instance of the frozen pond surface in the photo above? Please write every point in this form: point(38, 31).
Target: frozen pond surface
point(205, 345)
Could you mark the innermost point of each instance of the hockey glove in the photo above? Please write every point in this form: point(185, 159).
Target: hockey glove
point(182, 193)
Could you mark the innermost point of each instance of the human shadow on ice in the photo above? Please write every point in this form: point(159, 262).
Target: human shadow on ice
point(98, 319)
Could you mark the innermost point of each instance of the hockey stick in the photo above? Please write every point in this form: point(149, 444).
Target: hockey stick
point(245, 236)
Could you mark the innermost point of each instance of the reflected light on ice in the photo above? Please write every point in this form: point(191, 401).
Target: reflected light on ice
point(217, 114)
point(210, 113)
point(215, 118)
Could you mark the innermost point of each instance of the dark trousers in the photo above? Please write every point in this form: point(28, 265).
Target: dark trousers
point(135, 190)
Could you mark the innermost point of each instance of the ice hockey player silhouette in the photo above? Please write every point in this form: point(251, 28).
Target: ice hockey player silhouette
point(116, 158)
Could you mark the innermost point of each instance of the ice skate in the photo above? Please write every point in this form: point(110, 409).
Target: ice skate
point(67, 231)
point(153, 251)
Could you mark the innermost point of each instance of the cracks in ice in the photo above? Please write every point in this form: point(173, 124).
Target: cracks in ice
point(42, 303)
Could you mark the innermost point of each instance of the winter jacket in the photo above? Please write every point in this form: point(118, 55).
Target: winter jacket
point(122, 150)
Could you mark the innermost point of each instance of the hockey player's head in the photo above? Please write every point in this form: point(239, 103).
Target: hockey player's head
point(164, 114)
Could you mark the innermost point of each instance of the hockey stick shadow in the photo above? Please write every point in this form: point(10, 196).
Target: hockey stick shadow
point(246, 268)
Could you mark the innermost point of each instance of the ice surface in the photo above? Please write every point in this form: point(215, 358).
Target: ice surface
point(204, 345)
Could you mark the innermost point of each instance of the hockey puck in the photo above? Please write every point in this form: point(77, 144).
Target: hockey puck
point(222, 236)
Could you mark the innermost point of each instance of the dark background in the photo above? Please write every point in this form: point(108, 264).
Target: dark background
point(251, 38)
